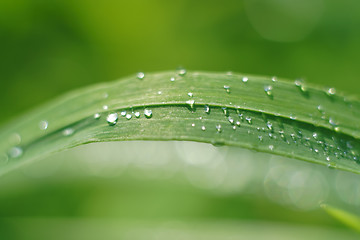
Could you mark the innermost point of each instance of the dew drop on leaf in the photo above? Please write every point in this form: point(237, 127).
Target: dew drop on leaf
point(148, 113)
point(300, 84)
point(181, 72)
point(315, 135)
point(191, 103)
point(128, 116)
point(332, 121)
point(14, 139)
point(172, 79)
point(140, 75)
point(248, 120)
point(137, 114)
point(97, 115)
point(15, 152)
point(207, 109)
point(225, 111)
point(68, 131)
point(112, 119)
point(218, 128)
point(43, 124)
point(227, 88)
point(331, 165)
point(190, 94)
point(231, 120)
point(105, 107)
point(245, 79)
point(203, 128)
point(331, 91)
point(320, 109)
point(268, 90)
point(123, 113)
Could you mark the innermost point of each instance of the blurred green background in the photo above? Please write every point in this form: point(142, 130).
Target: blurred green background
point(51, 46)
point(48, 47)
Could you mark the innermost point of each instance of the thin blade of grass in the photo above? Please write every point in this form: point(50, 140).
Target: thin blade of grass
point(261, 113)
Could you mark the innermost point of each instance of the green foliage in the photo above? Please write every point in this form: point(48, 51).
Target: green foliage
point(262, 113)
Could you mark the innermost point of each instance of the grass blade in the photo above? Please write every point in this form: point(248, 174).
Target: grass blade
point(343, 216)
point(261, 113)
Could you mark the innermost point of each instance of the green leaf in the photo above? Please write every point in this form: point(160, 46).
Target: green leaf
point(261, 113)
point(343, 216)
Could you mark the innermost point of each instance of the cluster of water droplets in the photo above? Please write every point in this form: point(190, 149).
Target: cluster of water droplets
point(271, 132)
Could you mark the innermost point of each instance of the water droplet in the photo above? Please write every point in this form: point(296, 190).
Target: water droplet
point(193, 124)
point(140, 75)
point(231, 120)
point(282, 134)
point(249, 120)
point(203, 128)
point(300, 84)
point(328, 158)
point(15, 152)
point(225, 111)
point(207, 109)
point(271, 147)
point(274, 79)
point(268, 90)
point(315, 135)
point(234, 127)
point(191, 103)
point(68, 131)
point(181, 72)
point(331, 165)
point(260, 138)
point(97, 115)
point(148, 113)
point(15, 139)
point(332, 121)
point(269, 126)
point(105, 107)
point(112, 118)
point(227, 88)
point(43, 124)
point(137, 114)
point(218, 128)
point(159, 92)
point(245, 79)
point(320, 108)
point(172, 79)
point(238, 123)
point(331, 91)
point(190, 94)
point(128, 116)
